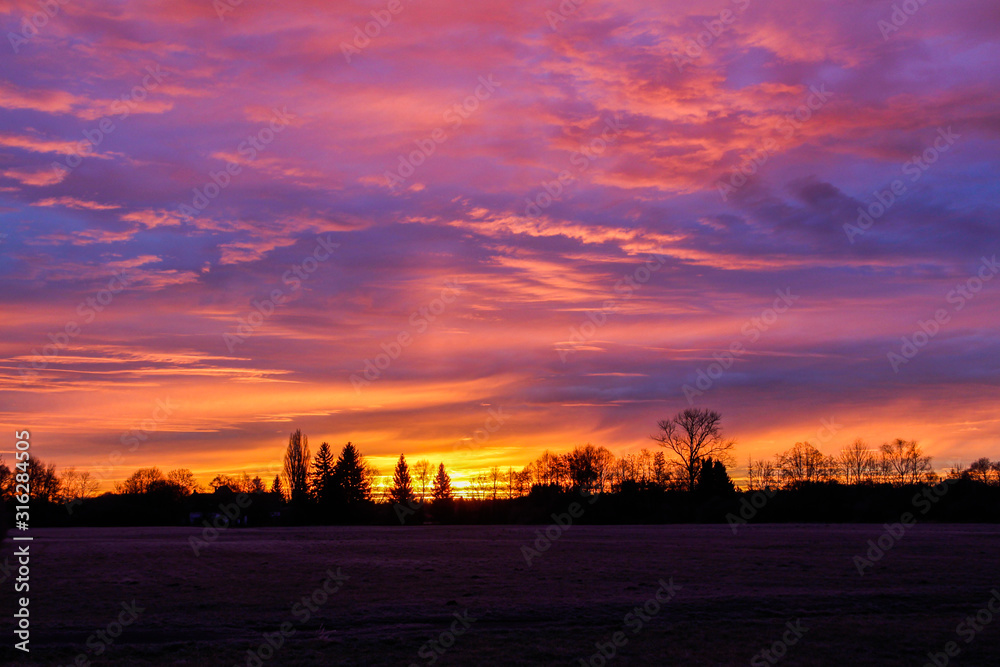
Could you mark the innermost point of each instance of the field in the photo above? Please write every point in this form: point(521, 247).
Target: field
point(396, 589)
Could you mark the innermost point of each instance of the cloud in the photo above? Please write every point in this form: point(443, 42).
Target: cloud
point(473, 162)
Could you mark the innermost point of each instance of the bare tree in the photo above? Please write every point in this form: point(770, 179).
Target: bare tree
point(522, 479)
point(480, 486)
point(805, 463)
point(141, 481)
point(184, 479)
point(549, 469)
point(858, 462)
point(694, 435)
point(495, 478)
point(752, 482)
point(78, 484)
point(583, 467)
point(296, 467)
point(422, 471)
point(905, 461)
point(980, 470)
point(761, 474)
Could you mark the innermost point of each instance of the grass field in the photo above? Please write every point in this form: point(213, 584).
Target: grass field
point(396, 589)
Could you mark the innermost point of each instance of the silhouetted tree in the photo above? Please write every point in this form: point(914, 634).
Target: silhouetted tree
point(442, 484)
point(276, 487)
point(713, 479)
point(548, 469)
point(402, 484)
point(184, 480)
point(761, 474)
point(693, 435)
point(321, 480)
point(6, 479)
point(905, 461)
point(981, 470)
point(296, 467)
point(480, 486)
point(857, 461)
point(257, 485)
point(661, 471)
point(495, 480)
point(73, 484)
point(352, 476)
point(141, 481)
point(584, 467)
point(422, 471)
point(805, 463)
point(223, 483)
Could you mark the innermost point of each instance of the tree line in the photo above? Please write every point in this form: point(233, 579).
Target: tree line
point(690, 461)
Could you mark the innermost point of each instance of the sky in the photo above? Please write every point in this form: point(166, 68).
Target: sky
point(470, 232)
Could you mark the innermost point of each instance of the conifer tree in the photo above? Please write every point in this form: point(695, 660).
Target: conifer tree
point(321, 483)
point(353, 482)
point(442, 484)
point(402, 485)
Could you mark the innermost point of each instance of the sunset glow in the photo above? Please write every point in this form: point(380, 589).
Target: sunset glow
point(483, 230)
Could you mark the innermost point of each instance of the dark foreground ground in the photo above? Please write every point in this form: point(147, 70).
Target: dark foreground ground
point(736, 595)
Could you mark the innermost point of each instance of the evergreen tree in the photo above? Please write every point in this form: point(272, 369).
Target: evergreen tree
point(442, 484)
point(402, 485)
point(276, 487)
point(321, 480)
point(257, 485)
point(352, 481)
point(713, 480)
